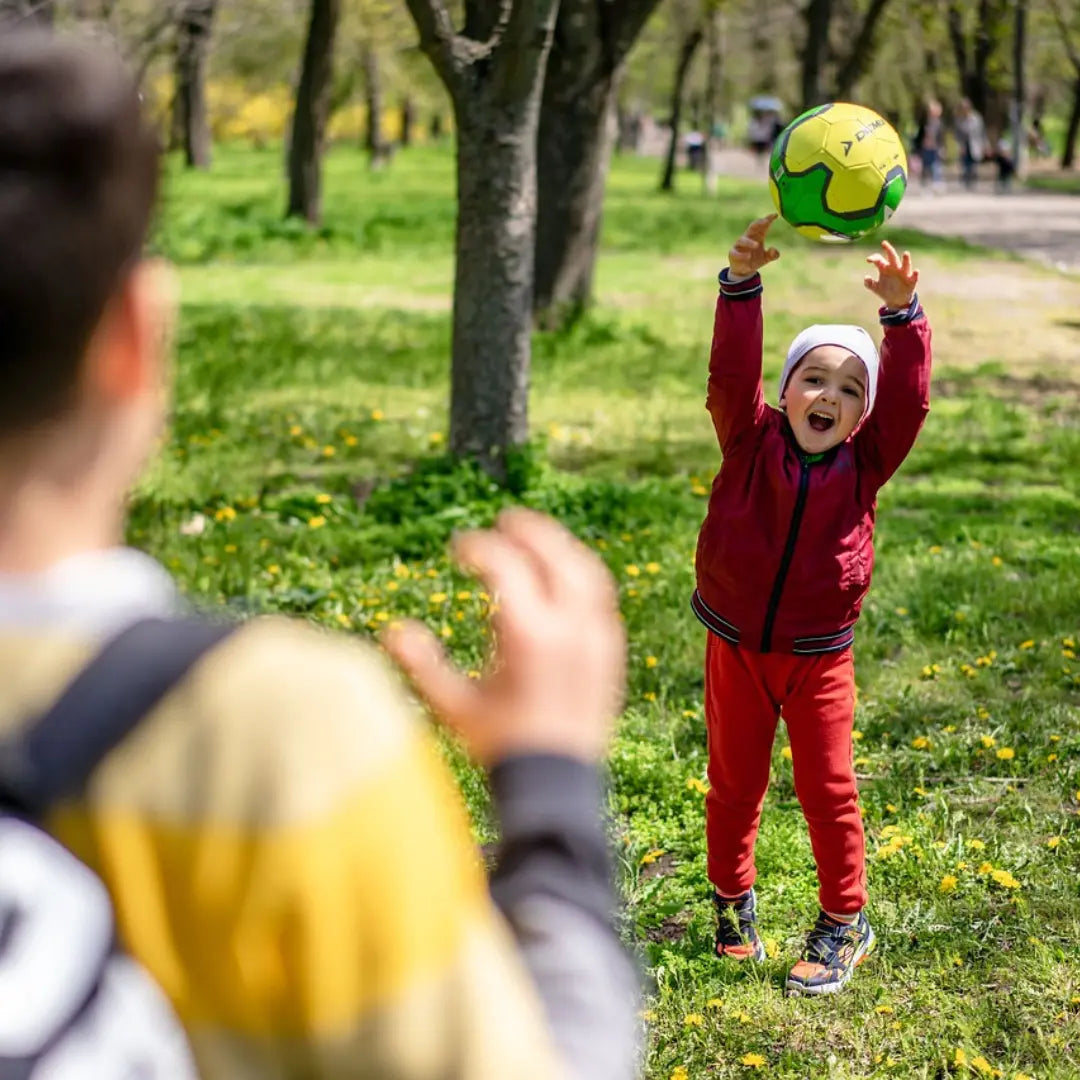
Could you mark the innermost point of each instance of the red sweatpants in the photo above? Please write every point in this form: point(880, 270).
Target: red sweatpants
point(745, 693)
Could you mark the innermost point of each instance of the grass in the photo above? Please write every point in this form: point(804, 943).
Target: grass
point(1059, 182)
point(304, 474)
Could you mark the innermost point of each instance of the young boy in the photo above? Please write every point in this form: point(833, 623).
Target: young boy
point(783, 564)
point(283, 846)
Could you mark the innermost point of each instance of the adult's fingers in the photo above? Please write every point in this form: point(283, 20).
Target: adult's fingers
point(506, 571)
point(422, 658)
point(571, 574)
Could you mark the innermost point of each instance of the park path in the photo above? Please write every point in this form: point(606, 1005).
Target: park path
point(1038, 225)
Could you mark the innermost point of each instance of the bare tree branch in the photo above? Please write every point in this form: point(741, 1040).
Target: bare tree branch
point(861, 53)
point(1066, 35)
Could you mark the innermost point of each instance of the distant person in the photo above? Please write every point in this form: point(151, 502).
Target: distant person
point(761, 131)
point(783, 565)
point(284, 848)
point(971, 138)
point(930, 144)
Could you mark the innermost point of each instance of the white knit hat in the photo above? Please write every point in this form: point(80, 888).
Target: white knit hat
point(853, 338)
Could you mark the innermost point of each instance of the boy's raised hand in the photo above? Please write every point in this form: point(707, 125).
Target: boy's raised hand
point(749, 253)
point(896, 279)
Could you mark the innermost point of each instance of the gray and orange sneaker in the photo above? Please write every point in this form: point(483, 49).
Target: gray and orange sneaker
point(736, 930)
point(833, 951)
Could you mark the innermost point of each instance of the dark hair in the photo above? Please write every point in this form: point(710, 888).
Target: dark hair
point(78, 180)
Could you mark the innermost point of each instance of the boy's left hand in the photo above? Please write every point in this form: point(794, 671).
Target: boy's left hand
point(896, 278)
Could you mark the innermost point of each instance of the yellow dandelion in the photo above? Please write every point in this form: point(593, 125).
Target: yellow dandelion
point(377, 415)
point(785, 753)
point(295, 430)
point(714, 1003)
point(935, 549)
point(890, 808)
point(976, 845)
point(1029, 644)
point(1005, 879)
point(328, 451)
point(959, 616)
point(997, 560)
point(273, 569)
point(982, 1066)
point(651, 856)
point(324, 499)
point(949, 729)
point(1055, 738)
point(857, 736)
point(948, 883)
point(960, 1059)
point(649, 696)
point(652, 568)
point(694, 784)
point(744, 1018)
point(772, 948)
point(651, 661)
point(351, 440)
point(464, 594)
point(883, 1010)
point(700, 489)
point(901, 611)
point(921, 742)
point(631, 592)
point(1006, 753)
point(679, 1072)
point(921, 791)
point(633, 571)
point(1069, 654)
point(392, 586)
point(1054, 842)
point(988, 741)
point(230, 549)
point(435, 438)
point(752, 1061)
point(1068, 643)
point(343, 619)
point(316, 522)
point(225, 513)
point(693, 1019)
point(690, 714)
point(437, 598)
point(473, 674)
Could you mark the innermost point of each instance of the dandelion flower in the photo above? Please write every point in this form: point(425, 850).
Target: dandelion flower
point(901, 611)
point(328, 451)
point(857, 736)
point(883, 1010)
point(982, 1066)
point(921, 742)
point(323, 499)
point(651, 856)
point(316, 522)
point(785, 753)
point(988, 741)
point(1005, 879)
point(226, 513)
point(752, 1061)
point(693, 1019)
point(1029, 644)
point(1053, 842)
point(652, 568)
point(985, 868)
point(694, 784)
point(1006, 753)
point(976, 845)
point(714, 1003)
point(948, 883)
point(649, 696)
point(679, 1073)
point(633, 571)
point(651, 661)
point(960, 1059)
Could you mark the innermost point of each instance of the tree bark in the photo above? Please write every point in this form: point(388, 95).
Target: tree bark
point(973, 61)
point(408, 120)
point(861, 54)
point(1068, 153)
point(308, 131)
point(818, 16)
point(576, 138)
point(686, 58)
point(377, 148)
point(494, 71)
point(714, 47)
point(1019, 127)
point(191, 123)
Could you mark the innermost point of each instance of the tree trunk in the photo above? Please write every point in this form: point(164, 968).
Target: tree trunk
point(494, 71)
point(1019, 127)
point(714, 46)
point(861, 54)
point(26, 13)
point(408, 119)
point(377, 148)
point(1068, 153)
point(493, 289)
point(574, 152)
point(818, 16)
point(308, 132)
point(686, 58)
point(190, 120)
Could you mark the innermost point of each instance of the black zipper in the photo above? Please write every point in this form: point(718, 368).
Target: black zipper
point(789, 551)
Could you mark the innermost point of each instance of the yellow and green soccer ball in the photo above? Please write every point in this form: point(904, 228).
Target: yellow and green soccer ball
point(837, 172)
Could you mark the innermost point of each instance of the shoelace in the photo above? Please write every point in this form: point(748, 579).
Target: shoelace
point(824, 942)
point(737, 923)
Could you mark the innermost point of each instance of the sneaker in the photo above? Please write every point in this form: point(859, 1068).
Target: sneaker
point(833, 951)
point(736, 931)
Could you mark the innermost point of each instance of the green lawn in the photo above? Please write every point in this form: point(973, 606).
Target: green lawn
point(313, 369)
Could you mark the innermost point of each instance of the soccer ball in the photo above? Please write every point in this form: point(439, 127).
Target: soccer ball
point(837, 172)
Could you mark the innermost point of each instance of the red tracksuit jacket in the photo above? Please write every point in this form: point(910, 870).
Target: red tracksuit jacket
point(785, 555)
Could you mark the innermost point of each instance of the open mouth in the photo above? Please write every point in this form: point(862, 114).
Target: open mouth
point(819, 421)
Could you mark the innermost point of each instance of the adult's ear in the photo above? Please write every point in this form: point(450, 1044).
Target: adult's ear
point(130, 348)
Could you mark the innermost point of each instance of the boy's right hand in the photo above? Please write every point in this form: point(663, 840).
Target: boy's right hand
point(556, 676)
point(749, 253)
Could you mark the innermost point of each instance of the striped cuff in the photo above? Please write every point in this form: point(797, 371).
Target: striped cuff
point(734, 288)
point(899, 316)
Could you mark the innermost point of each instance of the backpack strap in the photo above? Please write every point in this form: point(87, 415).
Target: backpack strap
point(52, 757)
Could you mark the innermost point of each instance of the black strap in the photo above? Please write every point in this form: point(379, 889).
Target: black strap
point(52, 757)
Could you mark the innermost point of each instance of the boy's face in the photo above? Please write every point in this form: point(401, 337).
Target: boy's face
point(825, 397)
